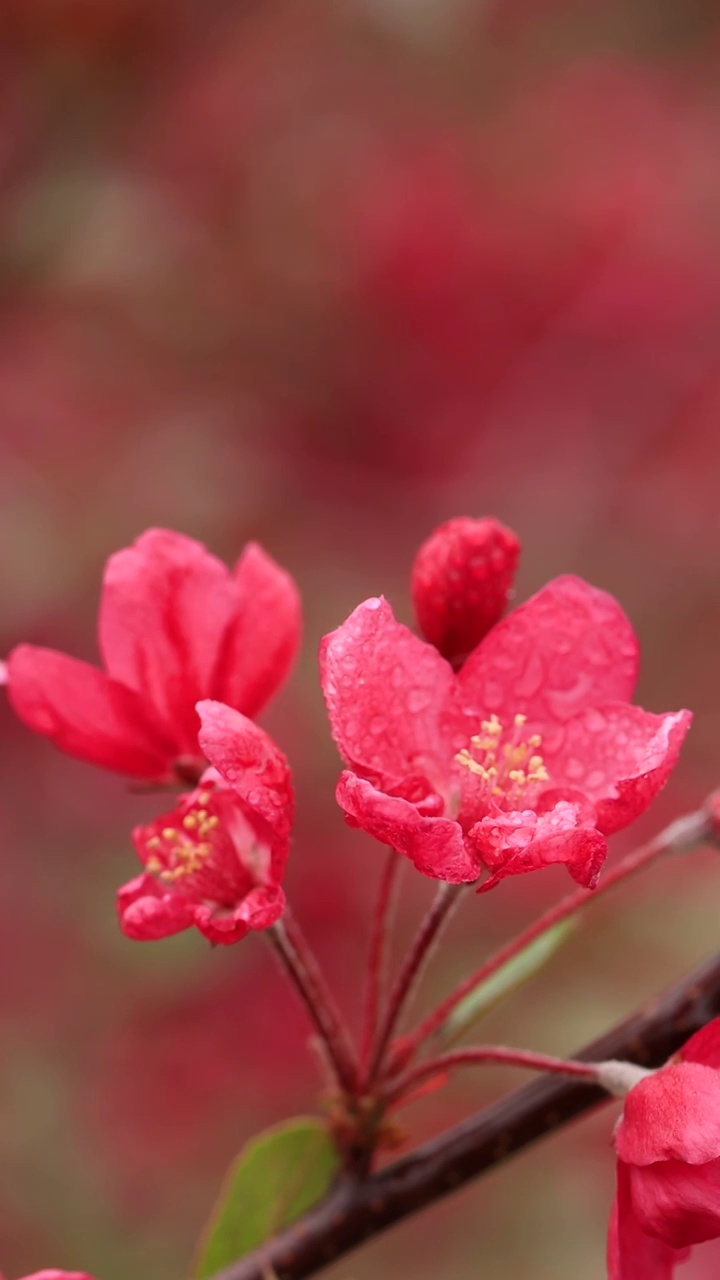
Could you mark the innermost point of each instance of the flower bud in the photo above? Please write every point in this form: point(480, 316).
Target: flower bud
point(461, 580)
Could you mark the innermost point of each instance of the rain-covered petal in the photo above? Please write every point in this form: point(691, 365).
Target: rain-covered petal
point(435, 845)
point(569, 647)
point(147, 912)
point(261, 909)
point(254, 767)
point(86, 714)
point(390, 698)
point(619, 756)
point(166, 604)
point(510, 843)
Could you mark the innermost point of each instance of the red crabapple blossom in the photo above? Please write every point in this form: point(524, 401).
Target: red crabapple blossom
point(175, 625)
point(460, 583)
point(531, 754)
point(217, 860)
point(668, 1169)
point(52, 1274)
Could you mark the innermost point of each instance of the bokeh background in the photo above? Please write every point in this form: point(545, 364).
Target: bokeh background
point(323, 275)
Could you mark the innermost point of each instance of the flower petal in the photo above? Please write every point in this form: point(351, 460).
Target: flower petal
point(704, 1046)
point(52, 1274)
point(569, 647)
point(390, 698)
point(673, 1114)
point(512, 843)
point(632, 1254)
point(619, 756)
point(436, 846)
point(261, 909)
point(255, 768)
point(85, 713)
point(166, 603)
point(460, 583)
point(147, 913)
point(261, 644)
point(678, 1202)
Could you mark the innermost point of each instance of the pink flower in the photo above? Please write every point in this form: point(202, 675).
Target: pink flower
point(52, 1274)
point(217, 860)
point(461, 580)
point(531, 754)
point(175, 626)
point(668, 1170)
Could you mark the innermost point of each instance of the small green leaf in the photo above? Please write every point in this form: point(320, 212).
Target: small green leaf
point(513, 974)
point(276, 1177)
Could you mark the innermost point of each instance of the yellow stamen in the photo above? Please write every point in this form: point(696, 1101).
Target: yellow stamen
point(507, 768)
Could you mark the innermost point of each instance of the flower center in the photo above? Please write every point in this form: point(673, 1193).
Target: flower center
point(177, 852)
point(507, 769)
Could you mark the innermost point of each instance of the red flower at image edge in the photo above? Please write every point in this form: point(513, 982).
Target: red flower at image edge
point(217, 860)
point(668, 1169)
point(531, 754)
point(175, 625)
point(52, 1274)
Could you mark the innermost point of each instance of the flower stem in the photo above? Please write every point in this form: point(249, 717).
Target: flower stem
point(481, 1056)
point(445, 900)
point(678, 837)
point(302, 968)
point(376, 958)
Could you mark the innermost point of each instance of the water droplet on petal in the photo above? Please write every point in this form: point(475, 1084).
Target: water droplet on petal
point(574, 769)
point(418, 700)
point(595, 721)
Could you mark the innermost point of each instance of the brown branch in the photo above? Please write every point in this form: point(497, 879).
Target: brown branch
point(358, 1209)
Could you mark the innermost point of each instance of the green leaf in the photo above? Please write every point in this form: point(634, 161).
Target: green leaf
point(511, 975)
point(275, 1178)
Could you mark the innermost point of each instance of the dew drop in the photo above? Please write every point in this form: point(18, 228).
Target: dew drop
point(418, 700)
point(574, 769)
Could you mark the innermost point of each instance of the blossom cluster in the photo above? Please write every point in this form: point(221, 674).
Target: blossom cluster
point(481, 745)
point(192, 652)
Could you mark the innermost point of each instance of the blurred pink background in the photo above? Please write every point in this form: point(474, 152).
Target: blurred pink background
point(324, 275)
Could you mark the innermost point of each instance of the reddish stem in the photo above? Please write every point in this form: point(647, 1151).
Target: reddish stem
point(376, 958)
point(481, 1056)
point(302, 968)
point(410, 972)
point(680, 836)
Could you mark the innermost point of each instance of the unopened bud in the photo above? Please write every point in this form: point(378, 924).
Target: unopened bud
point(461, 581)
